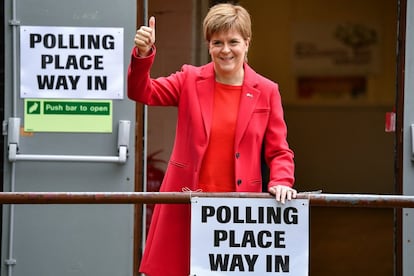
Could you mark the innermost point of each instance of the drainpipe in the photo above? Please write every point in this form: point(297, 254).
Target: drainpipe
point(14, 23)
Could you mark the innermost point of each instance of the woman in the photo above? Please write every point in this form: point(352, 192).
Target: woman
point(226, 113)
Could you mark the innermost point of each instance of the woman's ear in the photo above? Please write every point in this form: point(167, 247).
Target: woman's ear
point(247, 42)
point(247, 48)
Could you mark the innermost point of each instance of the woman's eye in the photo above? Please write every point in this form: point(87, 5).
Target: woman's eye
point(217, 43)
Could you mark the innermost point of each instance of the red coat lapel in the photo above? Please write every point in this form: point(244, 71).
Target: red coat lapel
point(205, 93)
point(248, 99)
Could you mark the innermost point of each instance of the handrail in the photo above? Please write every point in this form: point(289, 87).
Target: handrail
point(315, 199)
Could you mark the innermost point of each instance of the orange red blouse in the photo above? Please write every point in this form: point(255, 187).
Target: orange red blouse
point(217, 169)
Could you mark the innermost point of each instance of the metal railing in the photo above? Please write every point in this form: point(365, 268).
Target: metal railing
point(315, 198)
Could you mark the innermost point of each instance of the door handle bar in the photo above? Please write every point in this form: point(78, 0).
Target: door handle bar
point(14, 155)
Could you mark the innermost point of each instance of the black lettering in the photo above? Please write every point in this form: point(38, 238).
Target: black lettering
point(57, 63)
point(222, 262)
point(49, 41)
point(45, 60)
point(251, 261)
point(248, 238)
point(89, 82)
point(269, 262)
point(93, 42)
point(71, 62)
point(60, 42)
point(249, 218)
point(260, 239)
point(74, 81)
point(219, 236)
point(290, 215)
point(279, 239)
point(45, 82)
point(282, 263)
point(236, 218)
point(207, 211)
point(84, 64)
point(72, 44)
point(108, 42)
point(237, 262)
point(70, 41)
point(260, 218)
point(34, 39)
point(223, 214)
point(218, 263)
point(96, 82)
point(232, 238)
point(273, 215)
point(57, 82)
point(98, 61)
point(61, 82)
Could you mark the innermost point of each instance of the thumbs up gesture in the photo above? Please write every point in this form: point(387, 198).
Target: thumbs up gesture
point(145, 38)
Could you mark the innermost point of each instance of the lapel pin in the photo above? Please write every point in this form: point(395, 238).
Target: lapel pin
point(249, 95)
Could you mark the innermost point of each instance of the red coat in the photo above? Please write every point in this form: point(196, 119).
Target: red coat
point(260, 120)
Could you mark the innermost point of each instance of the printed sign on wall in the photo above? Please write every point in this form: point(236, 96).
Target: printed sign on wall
point(71, 62)
point(246, 236)
point(336, 48)
point(48, 115)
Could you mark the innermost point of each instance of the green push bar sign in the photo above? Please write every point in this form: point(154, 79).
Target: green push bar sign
point(67, 115)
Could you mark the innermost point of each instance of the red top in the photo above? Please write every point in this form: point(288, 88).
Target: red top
point(217, 169)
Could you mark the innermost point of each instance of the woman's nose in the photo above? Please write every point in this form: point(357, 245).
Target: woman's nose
point(226, 48)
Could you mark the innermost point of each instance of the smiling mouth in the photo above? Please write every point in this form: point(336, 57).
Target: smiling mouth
point(226, 58)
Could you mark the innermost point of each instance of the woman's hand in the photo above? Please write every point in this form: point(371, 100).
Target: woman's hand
point(282, 192)
point(145, 38)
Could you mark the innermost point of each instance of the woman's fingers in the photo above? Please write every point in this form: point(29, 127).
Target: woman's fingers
point(282, 193)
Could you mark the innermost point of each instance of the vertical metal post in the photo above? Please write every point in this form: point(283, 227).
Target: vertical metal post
point(145, 149)
point(408, 162)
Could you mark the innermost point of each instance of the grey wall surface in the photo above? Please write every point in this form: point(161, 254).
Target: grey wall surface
point(68, 239)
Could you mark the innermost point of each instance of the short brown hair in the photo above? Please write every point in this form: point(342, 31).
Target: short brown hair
point(224, 17)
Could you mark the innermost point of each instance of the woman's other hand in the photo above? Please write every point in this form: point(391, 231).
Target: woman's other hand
point(282, 192)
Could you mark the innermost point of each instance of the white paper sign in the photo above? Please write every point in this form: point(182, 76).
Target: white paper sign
point(71, 62)
point(246, 236)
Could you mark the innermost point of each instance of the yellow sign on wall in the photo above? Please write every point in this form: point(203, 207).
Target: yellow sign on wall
point(51, 115)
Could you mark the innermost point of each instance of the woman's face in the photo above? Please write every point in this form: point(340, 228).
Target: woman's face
point(228, 51)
